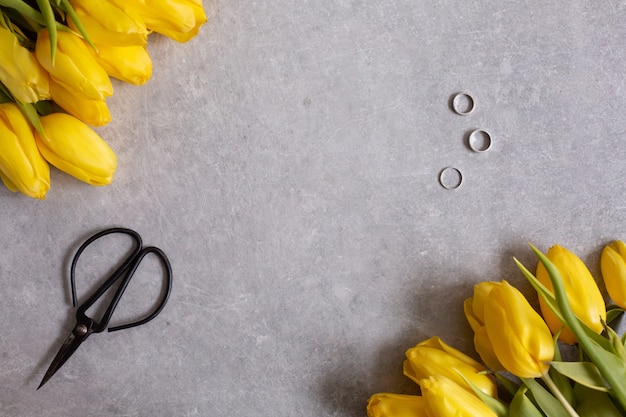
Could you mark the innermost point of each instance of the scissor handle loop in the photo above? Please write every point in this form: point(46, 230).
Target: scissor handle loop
point(133, 267)
point(88, 242)
point(127, 269)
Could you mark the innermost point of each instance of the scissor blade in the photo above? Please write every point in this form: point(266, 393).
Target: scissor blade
point(67, 349)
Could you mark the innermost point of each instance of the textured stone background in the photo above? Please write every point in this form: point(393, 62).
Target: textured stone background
point(287, 162)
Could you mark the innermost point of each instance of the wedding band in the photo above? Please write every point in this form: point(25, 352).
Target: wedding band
point(479, 140)
point(463, 104)
point(450, 178)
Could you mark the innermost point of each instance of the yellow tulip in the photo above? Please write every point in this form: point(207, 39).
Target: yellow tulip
point(520, 338)
point(76, 149)
point(92, 112)
point(396, 405)
point(75, 67)
point(474, 309)
point(444, 398)
point(107, 24)
point(22, 166)
point(185, 36)
point(435, 357)
point(19, 70)
point(177, 19)
point(613, 266)
point(131, 64)
point(582, 291)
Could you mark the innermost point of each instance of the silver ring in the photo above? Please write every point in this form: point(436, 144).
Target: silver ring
point(479, 140)
point(450, 178)
point(463, 104)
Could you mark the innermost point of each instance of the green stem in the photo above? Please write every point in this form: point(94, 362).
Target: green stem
point(559, 395)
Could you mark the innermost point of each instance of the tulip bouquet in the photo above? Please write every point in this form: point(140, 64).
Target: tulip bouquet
point(56, 61)
point(524, 370)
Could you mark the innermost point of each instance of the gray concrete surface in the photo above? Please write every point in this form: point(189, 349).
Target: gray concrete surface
point(287, 162)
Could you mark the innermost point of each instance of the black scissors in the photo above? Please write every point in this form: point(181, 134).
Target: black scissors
point(85, 326)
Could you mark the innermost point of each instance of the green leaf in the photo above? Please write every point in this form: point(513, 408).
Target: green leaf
point(585, 373)
point(521, 406)
point(618, 346)
point(51, 24)
point(44, 107)
point(613, 313)
point(507, 384)
point(496, 405)
point(548, 404)
point(24, 10)
point(594, 403)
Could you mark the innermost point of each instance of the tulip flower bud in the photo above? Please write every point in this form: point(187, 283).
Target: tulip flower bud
point(582, 291)
point(74, 148)
point(75, 68)
point(396, 405)
point(444, 398)
point(92, 112)
point(19, 70)
point(131, 64)
point(21, 165)
point(613, 266)
point(520, 338)
point(107, 24)
point(434, 357)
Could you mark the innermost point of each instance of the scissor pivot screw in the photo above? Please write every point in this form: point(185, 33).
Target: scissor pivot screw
point(80, 330)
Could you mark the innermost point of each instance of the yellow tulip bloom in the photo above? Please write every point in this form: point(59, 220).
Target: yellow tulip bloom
point(396, 405)
point(582, 291)
point(92, 112)
point(19, 70)
point(520, 338)
point(435, 357)
point(474, 309)
point(107, 24)
point(185, 36)
point(177, 19)
point(613, 266)
point(76, 149)
point(21, 165)
point(75, 67)
point(444, 398)
point(131, 64)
